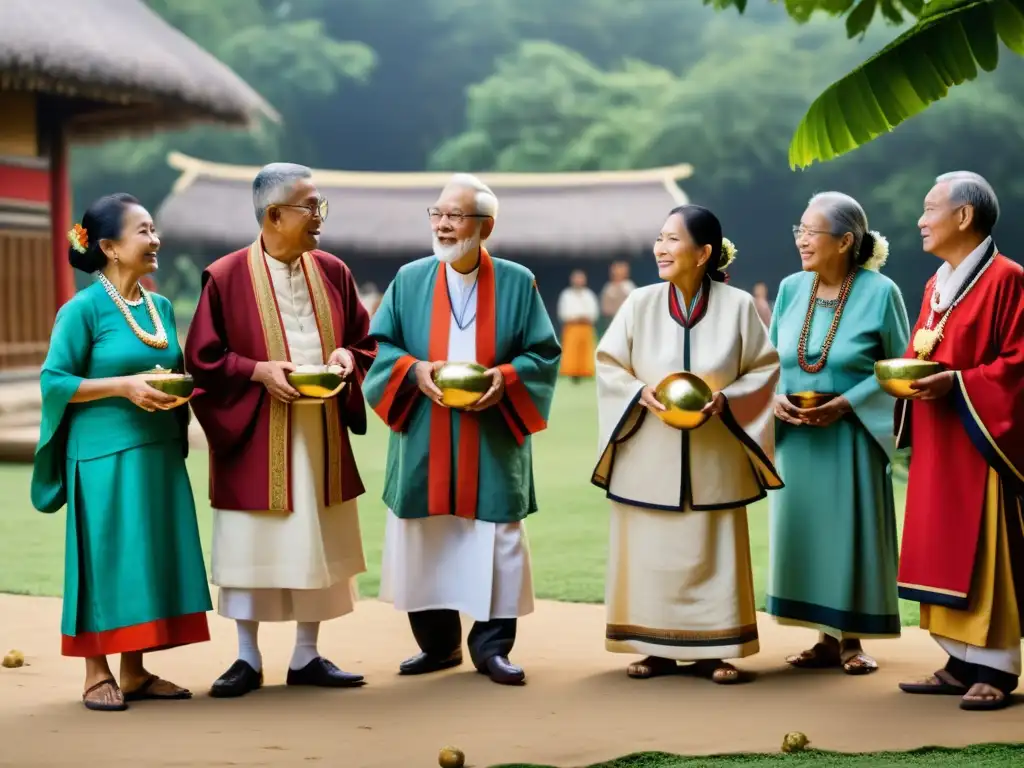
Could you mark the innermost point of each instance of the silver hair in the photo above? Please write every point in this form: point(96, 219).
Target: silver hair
point(844, 215)
point(969, 188)
point(274, 183)
point(486, 200)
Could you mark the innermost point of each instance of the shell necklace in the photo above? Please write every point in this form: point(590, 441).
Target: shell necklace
point(801, 350)
point(927, 338)
point(156, 340)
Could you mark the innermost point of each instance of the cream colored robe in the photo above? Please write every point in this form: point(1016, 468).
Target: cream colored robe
point(679, 582)
point(299, 566)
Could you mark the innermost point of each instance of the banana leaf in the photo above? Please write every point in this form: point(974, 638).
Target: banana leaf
point(951, 42)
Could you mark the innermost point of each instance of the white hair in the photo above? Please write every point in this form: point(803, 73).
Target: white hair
point(274, 183)
point(844, 214)
point(969, 188)
point(486, 200)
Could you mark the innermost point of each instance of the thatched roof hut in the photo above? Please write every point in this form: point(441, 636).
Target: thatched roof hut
point(121, 66)
point(579, 216)
point(73, 71)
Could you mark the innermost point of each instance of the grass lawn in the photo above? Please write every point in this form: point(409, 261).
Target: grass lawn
point(568, 535)
point(982, 756)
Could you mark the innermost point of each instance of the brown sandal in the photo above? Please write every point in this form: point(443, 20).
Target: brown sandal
point(716, 671)
point(994, 699)
point(940, 684)
point(652, 666)
point(820, 656)
point(100, 702)
point(859, 663)
point(150, 689)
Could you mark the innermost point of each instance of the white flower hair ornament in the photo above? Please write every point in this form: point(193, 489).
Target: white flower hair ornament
point(728, 254)
point(879, 252)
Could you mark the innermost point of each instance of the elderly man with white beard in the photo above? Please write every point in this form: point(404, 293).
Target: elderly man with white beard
point(459, 483)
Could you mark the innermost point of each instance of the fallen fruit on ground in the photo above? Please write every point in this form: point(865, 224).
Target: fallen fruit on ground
point(795, 742)
point(14, 659)
point(451, 757)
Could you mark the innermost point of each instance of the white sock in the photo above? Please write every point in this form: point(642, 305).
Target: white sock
point(248, 647)
point(306, 633)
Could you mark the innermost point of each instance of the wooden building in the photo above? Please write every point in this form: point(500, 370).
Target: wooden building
point(83, 71)
point(550, 222)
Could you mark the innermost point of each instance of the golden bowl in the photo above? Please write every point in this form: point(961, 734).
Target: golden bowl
point(895, 375)
point(810, 399)
point(318, 382)
point(462, 384)
point(180, 385)
point(683, 395)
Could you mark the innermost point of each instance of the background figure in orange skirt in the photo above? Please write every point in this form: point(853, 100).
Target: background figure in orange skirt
point(578, 312)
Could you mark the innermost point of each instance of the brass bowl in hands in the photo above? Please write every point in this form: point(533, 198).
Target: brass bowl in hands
point(810, 399)
point(895, 376)
point(318, 382)
point(684, 395)
point(179, 385)
point(462, 384)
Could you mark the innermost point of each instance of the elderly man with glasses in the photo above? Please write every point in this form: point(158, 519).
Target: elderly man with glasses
point(459, 483)
point(284, 483)
point(963, 531)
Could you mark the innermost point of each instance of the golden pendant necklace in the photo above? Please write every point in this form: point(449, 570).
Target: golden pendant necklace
point(927, 339)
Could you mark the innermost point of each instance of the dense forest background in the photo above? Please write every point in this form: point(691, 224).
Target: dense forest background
point(555, 85)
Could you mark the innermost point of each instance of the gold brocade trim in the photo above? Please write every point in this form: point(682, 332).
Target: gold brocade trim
point(983, 429)
point(277, 349)
point(325, 324)
point(634, 631)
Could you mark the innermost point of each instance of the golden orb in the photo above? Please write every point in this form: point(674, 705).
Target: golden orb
point(318, 382)
point(895, 376)
point(451, 757)
point(795, 742)
point(14, 659)
point(810, 399)
point(684, 395)
point(462, 384)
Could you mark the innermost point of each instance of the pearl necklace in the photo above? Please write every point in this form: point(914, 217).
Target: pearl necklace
point(157, 340)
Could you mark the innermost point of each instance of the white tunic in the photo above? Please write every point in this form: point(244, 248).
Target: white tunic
point(578, 305)
point(475, 567)
point(299, 566)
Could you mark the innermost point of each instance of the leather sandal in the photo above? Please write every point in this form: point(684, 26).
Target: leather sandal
point(150, 689)
point(859, 663)
point(100, 703)
point(820, 656)
point(652, 666)
point(995, 699)
point(940, 684)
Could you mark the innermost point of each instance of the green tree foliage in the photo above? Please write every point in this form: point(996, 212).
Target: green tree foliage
point(731, 115)
point(287, 57)
point(952, 42)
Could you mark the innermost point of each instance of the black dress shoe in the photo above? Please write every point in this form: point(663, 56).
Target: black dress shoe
point(239, 680)
point(424, 663)
point(502, 671)
point(322, 673)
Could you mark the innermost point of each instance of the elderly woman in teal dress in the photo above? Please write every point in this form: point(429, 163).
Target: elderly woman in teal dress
point(112, 449)
point(833, 542)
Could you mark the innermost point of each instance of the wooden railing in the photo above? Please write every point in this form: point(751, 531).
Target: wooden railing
point(26, 298)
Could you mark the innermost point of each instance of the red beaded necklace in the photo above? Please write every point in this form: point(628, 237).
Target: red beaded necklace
point(801, 350)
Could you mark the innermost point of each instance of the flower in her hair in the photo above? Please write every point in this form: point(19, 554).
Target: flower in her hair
point(879, 252)
point(728, 254)
point(78, 238)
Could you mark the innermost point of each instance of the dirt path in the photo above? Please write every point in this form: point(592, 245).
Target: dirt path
point(578, 707)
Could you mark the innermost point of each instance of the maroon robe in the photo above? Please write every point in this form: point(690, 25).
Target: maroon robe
point(955, 440)
point(236, 325)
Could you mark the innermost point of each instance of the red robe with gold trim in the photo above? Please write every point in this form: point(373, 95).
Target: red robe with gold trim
point(236, 325)
point(954, 440)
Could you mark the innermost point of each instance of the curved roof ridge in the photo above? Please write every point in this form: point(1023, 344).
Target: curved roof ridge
point(193, 168)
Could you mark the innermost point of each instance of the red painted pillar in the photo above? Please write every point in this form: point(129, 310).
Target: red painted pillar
point(60, 217)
